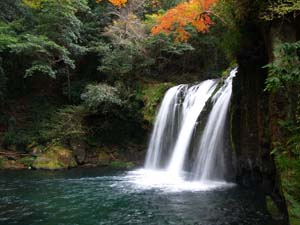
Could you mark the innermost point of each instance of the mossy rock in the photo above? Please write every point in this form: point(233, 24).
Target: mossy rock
point(57, 157)
point(104, 159)
point(152, 97)
point(273, 209)
point(27, 161)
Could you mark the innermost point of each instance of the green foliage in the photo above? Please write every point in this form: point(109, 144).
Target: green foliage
point(284, 78)
point(41, 53)
point(281, 8)
point(9, 10)
point(285, 70)
point(152, 96)
point(101, 96)
point(230, 14)
point(165, 44)
point(58, 20)
point(287, 158)
point(7, 36)
point(121, 62)
point(65, 124)
point(27, 161)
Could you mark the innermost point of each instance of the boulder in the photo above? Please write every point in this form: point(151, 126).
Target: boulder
point(56, 157)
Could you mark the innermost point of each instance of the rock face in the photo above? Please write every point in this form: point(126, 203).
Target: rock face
point(55, 158)
point(79, 150)
point(250, 112)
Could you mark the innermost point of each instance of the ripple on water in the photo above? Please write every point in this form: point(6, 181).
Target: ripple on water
point(91, 197)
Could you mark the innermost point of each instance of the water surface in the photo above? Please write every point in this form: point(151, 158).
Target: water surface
point(98, 196)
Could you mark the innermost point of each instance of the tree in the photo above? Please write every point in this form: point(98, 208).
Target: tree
point(59, 21)
point(194, 12)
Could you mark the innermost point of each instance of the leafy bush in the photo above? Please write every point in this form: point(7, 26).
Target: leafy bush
point(101, 96)
point(285, 70)
point(121, 62)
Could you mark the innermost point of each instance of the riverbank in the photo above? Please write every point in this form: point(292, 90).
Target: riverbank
point(56, 157)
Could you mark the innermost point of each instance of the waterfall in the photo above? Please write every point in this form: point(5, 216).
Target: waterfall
point(164, 132)
point(210, 162)
point(193, 104)
point(175, 124)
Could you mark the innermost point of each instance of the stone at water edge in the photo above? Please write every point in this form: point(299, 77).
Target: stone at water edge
point(79, 150)
point(55, 158)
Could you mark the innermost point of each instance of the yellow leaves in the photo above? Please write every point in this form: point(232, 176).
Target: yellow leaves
point(118, 3)
point(193, 12)
point(35, 4)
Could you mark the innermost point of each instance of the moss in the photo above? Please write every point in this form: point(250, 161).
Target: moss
point(294, 221)
point(104, 159)
point(289, 169)
point(272, 208)
point(27, 161)
point(293, 208)
point(57, 157)
point(152, 96)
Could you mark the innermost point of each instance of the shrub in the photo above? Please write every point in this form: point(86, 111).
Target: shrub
point(101, 96)
point(67, 123)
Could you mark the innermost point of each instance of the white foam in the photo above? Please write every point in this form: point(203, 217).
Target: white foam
point(168, 182)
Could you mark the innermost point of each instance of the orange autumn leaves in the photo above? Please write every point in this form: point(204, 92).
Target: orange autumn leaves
point(191, 12)
point(194, 12)
point(118, 3)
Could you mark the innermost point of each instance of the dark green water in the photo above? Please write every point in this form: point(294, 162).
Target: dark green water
point(97, 196)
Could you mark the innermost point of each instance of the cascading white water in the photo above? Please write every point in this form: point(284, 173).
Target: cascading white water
point(172, 136)
point(164, 132)
point(209, 164)
point(193, 104)
point(175, 123)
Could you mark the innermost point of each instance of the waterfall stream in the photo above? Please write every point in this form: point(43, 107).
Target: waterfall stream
point(192, 106)
point(210, 162)
point(177, 137)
